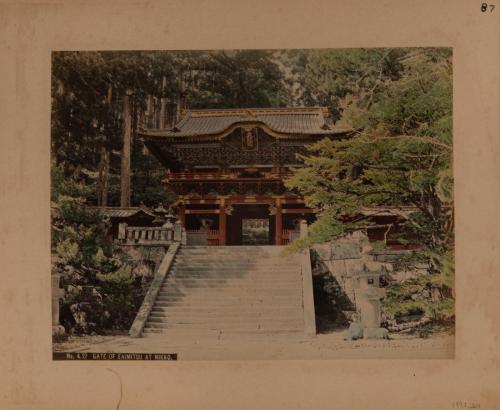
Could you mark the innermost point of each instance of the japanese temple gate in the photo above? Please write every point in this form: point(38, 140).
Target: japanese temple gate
point(228, 168)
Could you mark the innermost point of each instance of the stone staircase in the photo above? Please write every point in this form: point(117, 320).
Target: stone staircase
point(228, 290)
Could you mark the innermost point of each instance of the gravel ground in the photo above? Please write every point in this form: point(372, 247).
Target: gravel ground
point(323, 346)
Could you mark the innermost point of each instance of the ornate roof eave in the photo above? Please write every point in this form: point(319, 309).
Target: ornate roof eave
point(161, 134)
point(211, 112)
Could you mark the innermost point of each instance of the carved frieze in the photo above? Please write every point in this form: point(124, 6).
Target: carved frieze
point(244, 146)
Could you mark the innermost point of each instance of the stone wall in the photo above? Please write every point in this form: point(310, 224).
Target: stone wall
point(361, 273)
point(144, 259)
point(345, 259)
point(356, 275)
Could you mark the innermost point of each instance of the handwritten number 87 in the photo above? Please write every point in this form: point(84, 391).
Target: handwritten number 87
point(484, 7)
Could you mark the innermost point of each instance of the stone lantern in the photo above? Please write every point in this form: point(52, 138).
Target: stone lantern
point(169, 218)
point(368, 294)
point(160, 212)
point(58, 331)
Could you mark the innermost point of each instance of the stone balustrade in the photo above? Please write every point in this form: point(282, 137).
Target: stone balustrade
point(138, 235)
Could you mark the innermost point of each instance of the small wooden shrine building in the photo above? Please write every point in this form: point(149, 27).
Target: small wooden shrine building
point(227, 167)
point(132, 216)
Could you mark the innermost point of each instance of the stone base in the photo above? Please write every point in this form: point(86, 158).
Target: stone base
point(375, 333)
point(58, 333)
point(354, 332)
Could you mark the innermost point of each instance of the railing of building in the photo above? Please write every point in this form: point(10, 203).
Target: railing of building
point(289, 235)
point(169, 233)
point(205, 237)
point(213, 237)
point(210, 237)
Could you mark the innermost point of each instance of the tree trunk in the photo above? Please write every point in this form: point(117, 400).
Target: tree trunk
point(163, 103)
point(125, 165)
point(103, 178)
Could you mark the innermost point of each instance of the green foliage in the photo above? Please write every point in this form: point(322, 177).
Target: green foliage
point(403, 154)
point(103, 263)
point(64, 186)
point(68, 252)
point(400, 100)
point(409, 298)
point(118, 288)
point(84, 255)
point(340, 78)
point(119, 280)
point(80, 226)
point(443, 309)
point(446, 268)
point(148, 181)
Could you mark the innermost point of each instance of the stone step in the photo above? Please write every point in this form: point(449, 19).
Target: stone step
point(271, 253)
point(247, 290)
point(229, 304)
point(255, 310)
point(234, 248)
point(222, 319)
point(227, 327)
point(227, 322)
point(242, 286)
point(184, 336)
point(241, 254)
point(243, 261)
point(190, 334)
point(235, 267)
point(187, 284)
point(222, 298)
point(275, 283)
point(248, 276)
point(228, 291)
point(270, 281)
point(235, 310)
point(232, 300)
point(230, 284)
point(243, 257)
point(205, 298)
point(231, 273)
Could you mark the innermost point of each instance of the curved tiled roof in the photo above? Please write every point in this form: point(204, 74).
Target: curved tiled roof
point(300, 120)
point(120, 212)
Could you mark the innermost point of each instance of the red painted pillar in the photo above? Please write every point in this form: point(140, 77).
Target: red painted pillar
point(222, 225)
point(278, 233)
point(182, 215)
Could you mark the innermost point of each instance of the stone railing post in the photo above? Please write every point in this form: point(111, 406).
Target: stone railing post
point(307, 284)
point(122, 231)
point(177, 231)
point(184, 237)
point(303, 229)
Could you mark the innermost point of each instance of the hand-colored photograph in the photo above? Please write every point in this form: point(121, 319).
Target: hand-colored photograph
point(252, 204)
